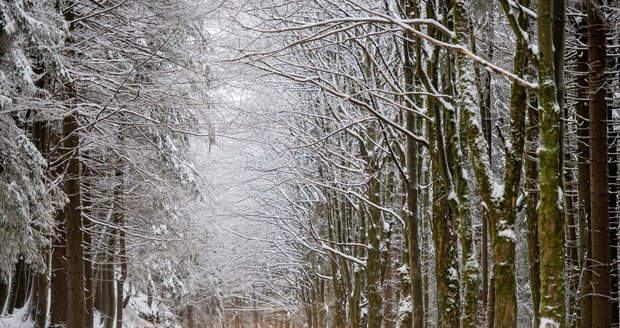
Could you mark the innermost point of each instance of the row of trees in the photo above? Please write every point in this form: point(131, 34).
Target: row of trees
point(455, 162)
point(99, 102)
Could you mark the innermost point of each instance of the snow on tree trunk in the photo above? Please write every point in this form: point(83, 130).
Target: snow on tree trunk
point(551, 223)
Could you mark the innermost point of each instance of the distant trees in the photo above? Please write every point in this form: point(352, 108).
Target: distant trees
point(403, 132)
point(99, 102)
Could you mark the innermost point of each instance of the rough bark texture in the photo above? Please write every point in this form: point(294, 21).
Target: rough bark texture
point(122, 256)
point(89, 284)
point(599, 187)
point(58, 290)
point(500, 199)
point(467, 97)
point(531, 213)
point(583, 156)
point(415, 264)
point(40, 136)
point(42, 281)
point(76, 305)
point(551, 223)
point(373, 269)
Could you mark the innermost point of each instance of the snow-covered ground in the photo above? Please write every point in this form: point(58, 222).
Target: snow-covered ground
point(132, 316)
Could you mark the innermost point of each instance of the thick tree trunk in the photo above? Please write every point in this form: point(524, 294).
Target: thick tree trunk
point(40, 318)
point(374, 267)
point(22, 285)
point(551, 223)
point(531, 213)
point(467, 97)
point(446, 258)
point(76, 305)
point(599, 187)
point(583, 156)
point(18, 291)
point(412, 162)
point(487, 124)
point(500, 199)
point(613, 105)
point(334, 228)
point(40, 136)
point(4, 294)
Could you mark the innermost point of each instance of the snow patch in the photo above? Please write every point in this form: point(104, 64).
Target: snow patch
point(508, 234)
point(548, 323)
point(498, 191)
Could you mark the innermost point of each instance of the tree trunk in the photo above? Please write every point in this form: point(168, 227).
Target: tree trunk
point(109, 298)
point(467, 97)
point(42, 281)
point(40, 136)
point(412, 162)
point(76, 305)
point(374, 267)
point(190, 318)
point(58, 300)
point(583, 155)
point(551, 225)
point(531, 213)
point(4, 294)
point(599, 187)
point(122, 257)
point(12, 288)
point(89, 285)
point(33, 296)
point(22, 285)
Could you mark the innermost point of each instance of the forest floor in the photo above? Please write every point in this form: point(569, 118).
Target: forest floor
point(132, 316)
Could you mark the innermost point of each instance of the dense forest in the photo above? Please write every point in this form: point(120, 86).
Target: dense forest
point(309, 163)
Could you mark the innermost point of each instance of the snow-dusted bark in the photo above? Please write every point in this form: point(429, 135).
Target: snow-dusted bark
point(551, 224)
point(467, 100)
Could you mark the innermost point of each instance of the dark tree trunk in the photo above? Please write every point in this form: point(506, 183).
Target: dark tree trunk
point(4, 294)
point(583, 166)
point(89, 284)
point(531, 214)
point(190, 318)
point(12, 288)
point(122, 258)
point(18, 291)
point(613, 80)
point(42, 281)
point(58, 303)
point(599, 188)
point(413, 218)
point(33, 296)
point(76, 305)
point(40, 136)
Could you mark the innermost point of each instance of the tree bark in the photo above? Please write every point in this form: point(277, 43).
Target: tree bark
point(40, 136)
point(583, 166)
point(467, 97)
point(122, 255)
point(415, 264)
point(76, 305)
point(89, 284)
point(531, 213)
point(58, 290)
point(551, 224)
point(599, 187)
